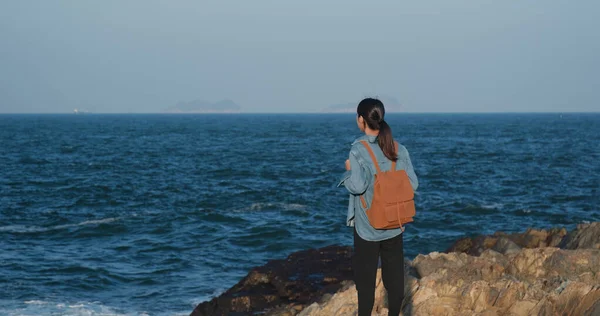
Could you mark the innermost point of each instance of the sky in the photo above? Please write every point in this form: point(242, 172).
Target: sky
point(299, 56)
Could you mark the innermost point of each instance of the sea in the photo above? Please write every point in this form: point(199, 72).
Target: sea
point(150, 214)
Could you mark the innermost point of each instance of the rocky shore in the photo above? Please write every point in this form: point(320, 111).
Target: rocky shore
point(538, 272)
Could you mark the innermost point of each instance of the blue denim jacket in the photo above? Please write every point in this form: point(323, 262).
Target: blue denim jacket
point(360, 179)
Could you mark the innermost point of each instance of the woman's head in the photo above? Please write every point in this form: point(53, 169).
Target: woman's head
point(371, 113)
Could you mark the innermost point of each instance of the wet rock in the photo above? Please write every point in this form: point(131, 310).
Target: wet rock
point(301, 279)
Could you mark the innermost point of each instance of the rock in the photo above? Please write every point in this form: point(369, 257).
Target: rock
point(502, 279)
point(346, 302)
point(516, 274)
point(506, 246)
point(298, 308)
point(586, 236)
point(529, 263)
point(462, 245)
point(458, 284)
point(310, 310)
point(510, 243)
point(301, 279)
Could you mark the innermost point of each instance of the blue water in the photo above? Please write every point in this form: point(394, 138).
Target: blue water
point(152, 214)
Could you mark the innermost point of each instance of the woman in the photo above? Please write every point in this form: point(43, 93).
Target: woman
point(371, 243)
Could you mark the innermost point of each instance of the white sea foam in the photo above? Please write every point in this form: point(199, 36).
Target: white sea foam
point(39, 307)
point(493, 206)
point(39, 229)
point(279, 206)
point(216, 293)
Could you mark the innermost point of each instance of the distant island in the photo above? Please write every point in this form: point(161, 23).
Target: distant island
point(78, 111)
point(391, 105)
point(200, 106)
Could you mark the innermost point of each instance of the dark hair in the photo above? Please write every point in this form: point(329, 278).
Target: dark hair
point(373, 112)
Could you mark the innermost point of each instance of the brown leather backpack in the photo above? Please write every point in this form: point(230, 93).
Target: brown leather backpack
point(393, 202)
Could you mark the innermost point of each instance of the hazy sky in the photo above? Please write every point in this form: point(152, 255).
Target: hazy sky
point(300, 56)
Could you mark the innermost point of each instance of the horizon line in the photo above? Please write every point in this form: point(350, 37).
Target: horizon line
point(295, 113)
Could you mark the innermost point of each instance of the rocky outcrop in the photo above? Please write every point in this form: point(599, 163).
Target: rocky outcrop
point(503, 242)
point(508, 274)
point(544, 281)
point(502, 274)
point(290, 284)
point(585, 236)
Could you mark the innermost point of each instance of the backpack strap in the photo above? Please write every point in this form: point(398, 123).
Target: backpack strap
point(372, 154)
point(366, 144)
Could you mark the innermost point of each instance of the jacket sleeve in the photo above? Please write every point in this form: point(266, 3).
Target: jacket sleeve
point(357, 178)
point(412, 176)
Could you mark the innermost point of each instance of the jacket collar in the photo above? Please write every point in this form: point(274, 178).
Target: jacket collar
point(370, 139)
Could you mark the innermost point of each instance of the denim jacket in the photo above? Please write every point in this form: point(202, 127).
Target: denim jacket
point(359, 182)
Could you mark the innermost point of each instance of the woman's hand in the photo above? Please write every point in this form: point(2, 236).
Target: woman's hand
point(348, 164)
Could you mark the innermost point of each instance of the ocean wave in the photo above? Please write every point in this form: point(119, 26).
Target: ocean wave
point(493, 206)
point(40, 229)
point(273, 206)
point(40, 307)
point(477, 209)
point(528, 212)
point(28, 160)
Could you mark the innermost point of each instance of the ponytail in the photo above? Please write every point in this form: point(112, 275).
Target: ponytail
point(373, 111)
point(386, 141)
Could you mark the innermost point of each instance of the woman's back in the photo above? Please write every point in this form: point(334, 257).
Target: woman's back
point(371, 243)
point(360, 184)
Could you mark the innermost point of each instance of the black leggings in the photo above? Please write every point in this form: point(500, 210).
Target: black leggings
point(364, 264)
